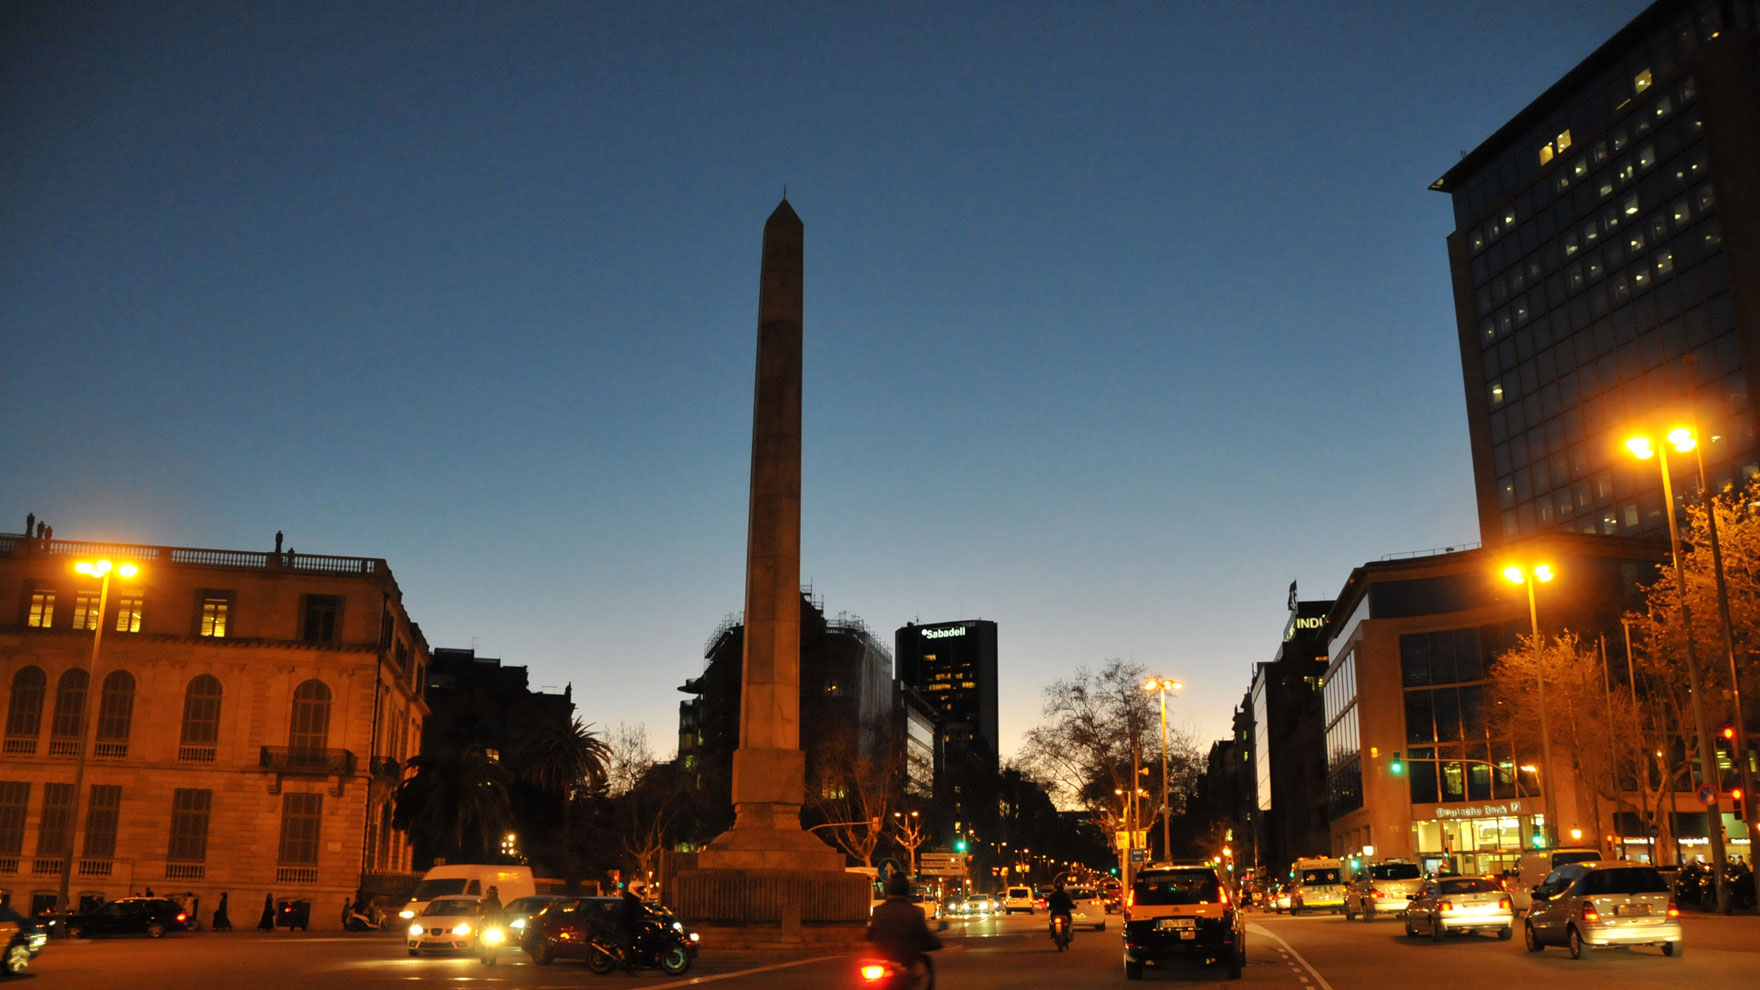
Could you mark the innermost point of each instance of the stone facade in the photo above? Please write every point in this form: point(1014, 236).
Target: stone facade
point(319, 674)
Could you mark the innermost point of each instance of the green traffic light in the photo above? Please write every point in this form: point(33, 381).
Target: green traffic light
point(1397, 766)
point(960, 846)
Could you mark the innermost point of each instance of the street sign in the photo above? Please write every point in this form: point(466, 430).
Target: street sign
point(1707, 795)
point(941, 864)
point(889, 867)
point(1138, 856)
point(1125, 839)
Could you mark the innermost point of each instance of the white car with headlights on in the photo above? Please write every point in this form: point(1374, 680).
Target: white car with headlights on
point(446, 924)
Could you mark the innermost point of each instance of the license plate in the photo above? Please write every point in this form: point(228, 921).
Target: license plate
point(1630, 910)
point(1174, 923)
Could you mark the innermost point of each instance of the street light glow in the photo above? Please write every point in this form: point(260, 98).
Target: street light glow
point(1539, 572)
point(1682, 438)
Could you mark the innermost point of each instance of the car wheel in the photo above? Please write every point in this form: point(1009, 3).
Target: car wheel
point(1236, 962)
point(1672, 948)
point(1578, 948)
point(1368, 912)
point(1436, 932)
point(414, 953)
point(1504, 933)
point(1409, 929)
point(674, 960)
point(155, 930)
point(1133, 970)
point(1530, 938)
point(1348, 915)
point(540, 953)
point(18, 958)
point(1101, 926)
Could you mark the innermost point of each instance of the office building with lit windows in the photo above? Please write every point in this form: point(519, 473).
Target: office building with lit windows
point(953, 666)
point(246, 724)
point(1289, 773)
point(1605, 235)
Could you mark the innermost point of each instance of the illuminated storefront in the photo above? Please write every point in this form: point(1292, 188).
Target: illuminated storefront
point(1484, 837)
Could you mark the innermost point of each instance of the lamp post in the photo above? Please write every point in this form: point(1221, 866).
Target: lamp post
point(911, 833)
point(100, 569)
point(1528, 576)
point(1164, 685)
point(1643, 447)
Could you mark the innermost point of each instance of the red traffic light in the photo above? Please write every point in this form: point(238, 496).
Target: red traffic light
point(1729, 732)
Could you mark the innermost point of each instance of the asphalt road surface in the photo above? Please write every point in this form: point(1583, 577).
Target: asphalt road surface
point(1013, 953)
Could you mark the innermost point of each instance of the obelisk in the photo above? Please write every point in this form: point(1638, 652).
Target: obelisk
point(775, 883)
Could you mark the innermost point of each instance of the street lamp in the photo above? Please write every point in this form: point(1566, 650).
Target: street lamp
point(1164, 685)
point(1644, 447)
point(912, 834)
point(1540, 573)
point(100, 569)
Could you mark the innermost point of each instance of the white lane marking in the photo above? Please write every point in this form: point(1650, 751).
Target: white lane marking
point(1318, 979)
point(699, 980)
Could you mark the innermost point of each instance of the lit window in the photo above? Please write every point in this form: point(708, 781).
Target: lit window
point(214, 615)
point(85, 610)
point(1641, 81)
point(1664, 263)
point(1496, 393)
point(128, 614)
point(1647, 156)
point(1564, 141)
point(1631, 205)
point(1545, 153)
point(42, 609)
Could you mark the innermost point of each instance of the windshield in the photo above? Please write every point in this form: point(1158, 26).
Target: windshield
point(1395, 871)
point(1560, 859)
point(427, 890)
point(1183, 887)
point(1312, 877)
point(1629, 880)
point(1470, 885)
point(450, 905)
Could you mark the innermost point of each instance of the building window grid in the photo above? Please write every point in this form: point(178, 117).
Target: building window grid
point(42, 609)
point(115, 714)
point(66, 725)
point(103, 815)
point(55, 824)
point(85, 609)
point(24, 709)
point(190, 808)
point(128, 613)
point(301, 820)
point(15, 799)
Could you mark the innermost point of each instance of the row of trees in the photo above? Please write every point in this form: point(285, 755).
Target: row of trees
point(1630, 727)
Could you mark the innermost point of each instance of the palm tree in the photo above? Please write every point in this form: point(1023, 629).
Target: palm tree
point(560, 758)
point(454, 793)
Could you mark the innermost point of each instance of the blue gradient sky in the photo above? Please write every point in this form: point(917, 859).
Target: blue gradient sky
point(1119, 316)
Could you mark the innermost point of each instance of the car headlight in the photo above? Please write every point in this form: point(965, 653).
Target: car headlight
point(462, 928)
point(406, 914)
point(519, 924)
point(693, 936)
point(677, 927)
point(415, 929)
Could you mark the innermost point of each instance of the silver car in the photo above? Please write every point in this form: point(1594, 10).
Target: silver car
point(1605, 903)
point(1382, 888)
point(1459, 904)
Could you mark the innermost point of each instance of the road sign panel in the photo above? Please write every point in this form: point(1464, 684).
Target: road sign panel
point(1138, 856)
point(941, 864)
point(1707, 795)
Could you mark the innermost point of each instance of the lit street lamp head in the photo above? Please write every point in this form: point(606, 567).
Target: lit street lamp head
point(99, 568)
point(1644, 448)
point(1519, 575)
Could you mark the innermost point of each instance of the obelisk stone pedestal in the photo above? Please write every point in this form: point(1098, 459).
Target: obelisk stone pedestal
point(767, 882)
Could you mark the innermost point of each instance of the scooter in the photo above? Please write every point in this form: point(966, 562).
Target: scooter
point(885, 974)
point(490, 941)
point(367, 919)
point(1060, 931)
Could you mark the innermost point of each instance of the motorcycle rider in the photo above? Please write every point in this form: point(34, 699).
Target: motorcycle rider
point(1061, 905)
point(629, 920)
point(897, 928)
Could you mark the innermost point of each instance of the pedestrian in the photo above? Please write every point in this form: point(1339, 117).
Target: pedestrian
point(221, 922)
point(149, 892)
point(267, 923)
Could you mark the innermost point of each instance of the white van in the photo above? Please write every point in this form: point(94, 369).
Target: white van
point(469, 880)
point(1316, 884)
point(1535, 867)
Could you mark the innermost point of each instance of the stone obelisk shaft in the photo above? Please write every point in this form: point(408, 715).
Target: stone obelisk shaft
point(769, 778)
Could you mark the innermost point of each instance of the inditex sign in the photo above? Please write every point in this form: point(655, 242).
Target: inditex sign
point(944, 633)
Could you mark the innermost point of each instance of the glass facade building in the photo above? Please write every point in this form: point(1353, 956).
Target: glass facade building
point(1606, 273)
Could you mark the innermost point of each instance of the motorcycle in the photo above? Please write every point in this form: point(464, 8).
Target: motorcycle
point(884, 974)
point(1060, 931)
point(490, 940)
point(365, 919)
point(660, 943)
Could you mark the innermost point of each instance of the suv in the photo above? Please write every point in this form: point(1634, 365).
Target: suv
point(149, 916)
point(1017, 899)
point(1582, 905)
point(1185, 912)
point(1382, 888)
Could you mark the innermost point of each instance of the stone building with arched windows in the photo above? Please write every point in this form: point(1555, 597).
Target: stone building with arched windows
point(252, 715)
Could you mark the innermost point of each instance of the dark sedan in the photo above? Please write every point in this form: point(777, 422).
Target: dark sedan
point(564, 928)
point(149, 916)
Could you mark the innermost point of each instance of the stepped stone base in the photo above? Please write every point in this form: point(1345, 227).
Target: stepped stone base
point(811, 911)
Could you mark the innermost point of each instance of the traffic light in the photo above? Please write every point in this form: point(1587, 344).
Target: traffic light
point(1729, 732)
point(959, 845)
point(1539, 839)
point(1397, 765)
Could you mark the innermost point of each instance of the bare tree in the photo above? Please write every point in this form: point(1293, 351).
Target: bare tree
point(852, 790)
point(629, 758)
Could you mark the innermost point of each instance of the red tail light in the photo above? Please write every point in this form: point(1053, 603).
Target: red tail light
point(1503, 903)
point(1674, 910)
point(1445, 906)
point(1130, 899)
point(181, 917)
point(1589, 912)
point(1224, 892)
point(1378, 895)
point(873, 972)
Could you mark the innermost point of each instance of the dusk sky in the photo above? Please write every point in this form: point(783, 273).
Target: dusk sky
point(1119, 317)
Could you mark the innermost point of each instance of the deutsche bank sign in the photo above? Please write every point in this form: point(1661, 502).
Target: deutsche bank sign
point(944, 633)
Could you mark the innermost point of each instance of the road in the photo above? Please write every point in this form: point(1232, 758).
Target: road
point(1283, 953)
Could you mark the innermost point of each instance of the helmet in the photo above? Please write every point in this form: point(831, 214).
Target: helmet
point(637, 887)
point(898, 885)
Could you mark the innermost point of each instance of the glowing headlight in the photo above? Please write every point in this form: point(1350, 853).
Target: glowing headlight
point(693, 936)
point(462, 928)
point(493, 936)
point(406, 914)
point(677, 926)
point(415, 930)
point(518, 924)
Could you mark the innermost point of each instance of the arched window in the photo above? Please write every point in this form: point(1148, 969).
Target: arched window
point(309, 731)
point(68, 723)
point(201, 719)
point(115, 713)
point(24, 711)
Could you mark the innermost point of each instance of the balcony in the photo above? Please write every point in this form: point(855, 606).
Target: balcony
point(195, 754)
point(46, 866)
point(95, 867)
point(160, 557)
point(296, 874)
point(307, 762)
point(21, 745)
point(185, 871)
point(109, 750)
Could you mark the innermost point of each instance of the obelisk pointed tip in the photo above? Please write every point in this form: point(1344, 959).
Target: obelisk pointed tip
point(783, 213)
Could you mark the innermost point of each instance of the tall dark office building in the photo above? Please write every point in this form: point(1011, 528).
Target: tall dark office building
point(1607, 233)
point(953, 665)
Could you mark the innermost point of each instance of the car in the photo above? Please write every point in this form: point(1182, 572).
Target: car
point(1382, 888)
point(977, 905)
point(1316, 883)
point(519, 911)
point(23, 940)
point(1457, 905)
point(1090, 909)
point(1279, 898)
point(1182, 912)
point(149, 916)
point(1018, 899)
point(1537, 866)
point(565, 929)
point(1585, 905)
point(446, 924)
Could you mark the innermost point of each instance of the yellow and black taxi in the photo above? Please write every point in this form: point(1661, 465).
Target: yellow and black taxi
point(1182, 913)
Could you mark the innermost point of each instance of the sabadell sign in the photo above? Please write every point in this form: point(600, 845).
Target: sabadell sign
point(944, 633)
